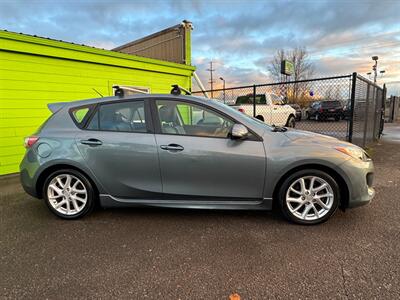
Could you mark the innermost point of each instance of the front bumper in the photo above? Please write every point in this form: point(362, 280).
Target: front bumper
point(360, 180)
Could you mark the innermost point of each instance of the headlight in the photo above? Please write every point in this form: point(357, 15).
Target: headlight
point(354, 152)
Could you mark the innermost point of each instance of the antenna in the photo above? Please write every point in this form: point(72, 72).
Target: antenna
point(97, 92)
point(211, 82)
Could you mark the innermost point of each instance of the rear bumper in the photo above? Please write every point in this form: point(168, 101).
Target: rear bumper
point(330, 114)
point(28, 168)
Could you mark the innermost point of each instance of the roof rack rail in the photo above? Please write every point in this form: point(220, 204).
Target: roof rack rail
point(177, 90)
point(119, 90)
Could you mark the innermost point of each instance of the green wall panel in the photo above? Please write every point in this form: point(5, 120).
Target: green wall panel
point(36, 71)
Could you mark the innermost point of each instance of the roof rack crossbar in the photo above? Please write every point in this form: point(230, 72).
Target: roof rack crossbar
point(177, 90)
point(119, 90)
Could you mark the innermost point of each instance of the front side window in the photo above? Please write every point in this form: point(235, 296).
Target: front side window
point(190, 119)
point(121, 116)
point(276, 100)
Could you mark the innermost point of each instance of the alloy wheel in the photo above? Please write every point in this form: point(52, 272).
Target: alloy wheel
point(309, 198)
point(67, 194)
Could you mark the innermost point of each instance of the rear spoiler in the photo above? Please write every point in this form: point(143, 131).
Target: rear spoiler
point(55, 107)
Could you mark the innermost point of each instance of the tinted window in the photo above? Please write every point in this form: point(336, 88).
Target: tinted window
point(122, 116)
point(190, 119)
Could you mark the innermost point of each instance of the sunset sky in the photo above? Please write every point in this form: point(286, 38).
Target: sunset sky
point(239, 36)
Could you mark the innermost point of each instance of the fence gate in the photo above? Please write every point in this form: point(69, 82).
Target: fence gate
point(347, 107)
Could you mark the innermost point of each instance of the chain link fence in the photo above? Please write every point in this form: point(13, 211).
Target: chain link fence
point(347, 107)
point(392, 109)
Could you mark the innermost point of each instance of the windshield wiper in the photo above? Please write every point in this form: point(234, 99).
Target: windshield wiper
point(279, 128)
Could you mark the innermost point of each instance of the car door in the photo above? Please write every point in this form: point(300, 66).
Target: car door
point(199, 161)
point(119, 147)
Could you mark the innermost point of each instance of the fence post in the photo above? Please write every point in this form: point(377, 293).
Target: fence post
point(352, 100)
point(367, 100)
point(383, 104)
point(254, 100)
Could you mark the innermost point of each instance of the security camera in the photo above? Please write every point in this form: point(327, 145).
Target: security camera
point(375, 57)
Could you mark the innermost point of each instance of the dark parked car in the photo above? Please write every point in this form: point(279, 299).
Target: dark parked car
point(322, 110)
point(188, 152)
point(297, 108)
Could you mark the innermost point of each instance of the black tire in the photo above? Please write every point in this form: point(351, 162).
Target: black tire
point(91, 194)
point(291, 122)
point(260, 117)
point(303, 173)
point(337, 118)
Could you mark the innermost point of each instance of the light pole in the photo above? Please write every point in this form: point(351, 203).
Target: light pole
point(223, 80)
point(375, 67)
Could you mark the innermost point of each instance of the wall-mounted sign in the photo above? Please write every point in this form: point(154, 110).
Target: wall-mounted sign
point(287, 67)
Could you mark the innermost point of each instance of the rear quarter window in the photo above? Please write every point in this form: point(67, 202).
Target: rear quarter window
point(80, 114)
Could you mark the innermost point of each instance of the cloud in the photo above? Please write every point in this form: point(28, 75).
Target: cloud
point(341, 36)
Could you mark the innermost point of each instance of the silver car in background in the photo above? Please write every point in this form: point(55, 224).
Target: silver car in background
point(188, 152)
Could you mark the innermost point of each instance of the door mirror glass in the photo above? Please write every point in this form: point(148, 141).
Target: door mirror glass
point(238, 132)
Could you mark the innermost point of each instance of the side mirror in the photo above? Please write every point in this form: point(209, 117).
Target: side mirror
point(239, 132)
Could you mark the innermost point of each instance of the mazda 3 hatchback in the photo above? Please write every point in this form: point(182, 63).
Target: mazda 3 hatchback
point(188, 152)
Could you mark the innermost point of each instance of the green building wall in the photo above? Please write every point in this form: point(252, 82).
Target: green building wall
point(36, 71)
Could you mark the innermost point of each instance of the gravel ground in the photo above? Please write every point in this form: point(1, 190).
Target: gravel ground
point(182, 254)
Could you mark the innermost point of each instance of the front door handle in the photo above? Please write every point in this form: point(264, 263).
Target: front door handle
point(172, 147)
point(92, 142)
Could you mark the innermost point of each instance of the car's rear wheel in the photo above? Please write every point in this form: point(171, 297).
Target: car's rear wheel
point(69, 194)
point(309, 197)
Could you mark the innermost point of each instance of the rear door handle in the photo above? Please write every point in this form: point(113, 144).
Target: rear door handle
point(172, 147)
point(92, 142)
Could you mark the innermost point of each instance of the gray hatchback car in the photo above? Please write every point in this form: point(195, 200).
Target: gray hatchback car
point(188, 152)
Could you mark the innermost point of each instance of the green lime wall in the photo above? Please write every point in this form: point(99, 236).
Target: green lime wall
point(37, 71)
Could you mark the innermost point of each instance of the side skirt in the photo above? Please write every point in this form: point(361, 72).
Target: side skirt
point(264, 204)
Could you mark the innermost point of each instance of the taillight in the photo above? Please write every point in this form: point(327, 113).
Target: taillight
point(321, 110)
point(30, 141)
point(241, 110)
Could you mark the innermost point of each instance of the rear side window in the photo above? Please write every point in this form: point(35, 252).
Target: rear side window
point(122, 116)
point(248, 99)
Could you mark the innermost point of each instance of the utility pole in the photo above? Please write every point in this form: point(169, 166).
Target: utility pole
point(211, 82)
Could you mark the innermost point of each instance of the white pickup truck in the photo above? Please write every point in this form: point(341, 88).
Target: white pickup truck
point(270, 108)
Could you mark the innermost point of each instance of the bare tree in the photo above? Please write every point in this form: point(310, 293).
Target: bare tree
point(303, 69)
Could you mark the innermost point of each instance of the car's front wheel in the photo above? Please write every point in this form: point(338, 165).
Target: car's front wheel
point(309, 197)
point(69, 194)
point(291, 122)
